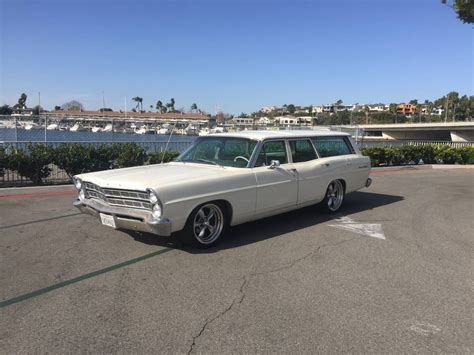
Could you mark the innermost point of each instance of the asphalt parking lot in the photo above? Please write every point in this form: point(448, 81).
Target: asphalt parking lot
point(391, 273)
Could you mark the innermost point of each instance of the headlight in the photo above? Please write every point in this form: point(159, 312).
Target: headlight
point(82, 195)
point(152, 196)
point(77, 183)
point(156, 210)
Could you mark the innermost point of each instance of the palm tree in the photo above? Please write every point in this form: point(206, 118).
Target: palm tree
point(159, 106)
point(194, 107)
point(139, 101)
point(366, 110)
point(172, 103)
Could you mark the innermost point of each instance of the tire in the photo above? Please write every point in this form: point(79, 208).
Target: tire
point(205, 225)
point(334, 196)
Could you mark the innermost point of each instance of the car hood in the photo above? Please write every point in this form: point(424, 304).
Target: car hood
point(153, 176)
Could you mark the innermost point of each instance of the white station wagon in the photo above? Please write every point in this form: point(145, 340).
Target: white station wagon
point(224, 180)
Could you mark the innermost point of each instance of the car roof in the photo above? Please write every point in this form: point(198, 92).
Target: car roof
point(262, 135)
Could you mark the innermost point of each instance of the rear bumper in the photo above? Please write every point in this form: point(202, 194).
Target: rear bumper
point(127, 218)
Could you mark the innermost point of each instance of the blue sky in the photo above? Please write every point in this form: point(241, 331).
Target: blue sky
point(232, 55)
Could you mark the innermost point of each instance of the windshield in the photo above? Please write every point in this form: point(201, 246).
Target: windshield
point(224, 151)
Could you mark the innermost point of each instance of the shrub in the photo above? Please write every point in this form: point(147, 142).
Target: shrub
point(155, 158)
point(467, 155)
point(32, 162)
point(409, 154)
point(448, 155)
point(127, 154)
point(72, 158)
point(428, 154)
point(101, 157)
point(3, 161)
point(378, 155)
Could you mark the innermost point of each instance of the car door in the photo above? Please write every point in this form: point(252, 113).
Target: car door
point(310, 172)
point(276, 186)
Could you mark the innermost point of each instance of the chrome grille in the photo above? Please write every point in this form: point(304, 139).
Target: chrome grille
point(117, 197)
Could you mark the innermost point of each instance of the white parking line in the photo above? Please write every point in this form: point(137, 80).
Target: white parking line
point(373, 230)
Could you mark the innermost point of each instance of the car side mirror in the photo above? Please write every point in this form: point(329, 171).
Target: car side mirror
point(274, 164)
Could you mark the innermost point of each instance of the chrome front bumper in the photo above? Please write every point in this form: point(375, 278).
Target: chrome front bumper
point(127, 218)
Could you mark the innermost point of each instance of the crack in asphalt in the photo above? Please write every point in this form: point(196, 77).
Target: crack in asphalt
point(208, 321)
point(239, 300)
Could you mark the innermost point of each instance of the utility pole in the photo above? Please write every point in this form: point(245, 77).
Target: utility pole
point(45, 121)
point(446, 111)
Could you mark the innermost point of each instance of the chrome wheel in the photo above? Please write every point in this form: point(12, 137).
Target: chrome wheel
point(208, 223)
point(334, 195)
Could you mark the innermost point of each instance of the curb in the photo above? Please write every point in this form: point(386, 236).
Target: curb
point(408, 168)
point(37, 191)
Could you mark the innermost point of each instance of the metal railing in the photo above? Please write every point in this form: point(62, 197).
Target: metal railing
point(18, 132)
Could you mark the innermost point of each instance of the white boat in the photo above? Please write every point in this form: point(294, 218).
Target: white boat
point(77, 128)
point(108, 128)
point(7, 124)
point(28, 125)
point(165, 129)
point(52, 127)
point(142, 130)
point(205, 131)
point(96, 129)
point(192, 130)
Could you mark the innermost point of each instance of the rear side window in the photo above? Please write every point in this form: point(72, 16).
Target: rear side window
point(302, 150)
point(273, 150)
point(332, 146)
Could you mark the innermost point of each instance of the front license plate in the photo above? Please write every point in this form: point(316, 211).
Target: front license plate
point(107, 220)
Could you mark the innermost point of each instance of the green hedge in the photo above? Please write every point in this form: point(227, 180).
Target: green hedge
point(34, 161)
point(411, 154)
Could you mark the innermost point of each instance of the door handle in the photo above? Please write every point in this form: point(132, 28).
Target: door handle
point(326, 164)
point(292, 170)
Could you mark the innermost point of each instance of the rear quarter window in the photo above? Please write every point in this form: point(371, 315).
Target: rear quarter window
point(332, 146)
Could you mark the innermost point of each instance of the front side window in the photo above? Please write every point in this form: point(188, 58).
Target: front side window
point(302, 150)
point(224, 151)
point(332, 146)
point(273, 150)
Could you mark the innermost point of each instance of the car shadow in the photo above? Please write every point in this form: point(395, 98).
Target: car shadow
point(271, 227)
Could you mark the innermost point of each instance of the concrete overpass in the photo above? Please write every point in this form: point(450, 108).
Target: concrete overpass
point(450, 131)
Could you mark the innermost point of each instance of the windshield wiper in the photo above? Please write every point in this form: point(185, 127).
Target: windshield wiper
point(207, 161)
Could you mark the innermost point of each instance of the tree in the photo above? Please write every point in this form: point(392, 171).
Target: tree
point(73, 105)
point(21, 102)
point(220, 117)
point(57, 108)
point(159, 106)
point(139, 101)
point(463, 8)
point(194, 107)
point(170, 105)
point(413, 102)
point(429, 108)
point(338, 102)
point(6, 110)
point(366, 111)
point(37, 110)
point(291, 108)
